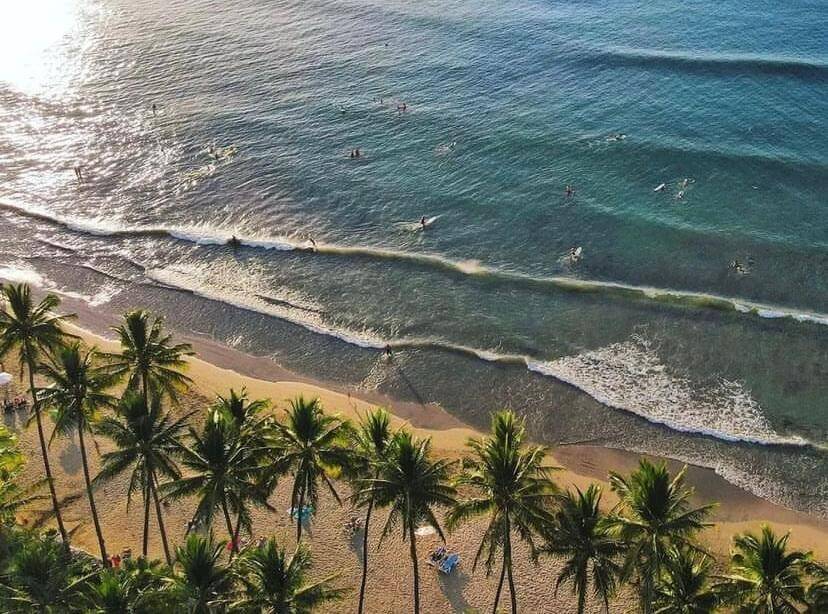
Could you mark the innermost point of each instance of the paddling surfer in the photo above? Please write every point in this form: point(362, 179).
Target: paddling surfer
point(423, 222)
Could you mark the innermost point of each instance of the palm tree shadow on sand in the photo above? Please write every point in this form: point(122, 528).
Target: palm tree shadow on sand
point(453, 586)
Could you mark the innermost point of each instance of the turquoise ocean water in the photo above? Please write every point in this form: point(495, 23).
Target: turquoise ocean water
point(651, 341)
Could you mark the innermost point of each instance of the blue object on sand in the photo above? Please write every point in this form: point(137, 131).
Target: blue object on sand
point(450, 563)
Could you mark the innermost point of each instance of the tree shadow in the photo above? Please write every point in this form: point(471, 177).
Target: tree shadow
point(70, 457)
point(453, 585)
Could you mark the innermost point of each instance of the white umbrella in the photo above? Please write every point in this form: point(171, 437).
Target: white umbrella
point(5, 379)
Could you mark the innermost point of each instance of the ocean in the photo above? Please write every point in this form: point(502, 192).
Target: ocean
point(694, 322)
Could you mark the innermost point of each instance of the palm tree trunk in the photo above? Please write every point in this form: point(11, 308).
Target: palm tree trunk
point(507, 553)
point(158, 513)
point(499, 585)
point(43, 453)
point(365, 555)
point(298, 512)
point(581, 599)
point(413, 551)
point(229, 526)
point(92, 507)
point(147, 496)
point(237, 530)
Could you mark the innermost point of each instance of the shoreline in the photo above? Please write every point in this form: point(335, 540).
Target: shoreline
point(218, 367)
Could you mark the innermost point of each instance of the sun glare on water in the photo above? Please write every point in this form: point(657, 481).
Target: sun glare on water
point(33, 36)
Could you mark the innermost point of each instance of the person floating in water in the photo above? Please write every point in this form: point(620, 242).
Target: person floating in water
point(738, 267)
point(402, 107)
point(570, 190)
point(154, 109)
point(233, 241)
point(388, 354)
point(574, 255)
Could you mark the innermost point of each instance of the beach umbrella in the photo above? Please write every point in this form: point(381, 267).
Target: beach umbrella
point(5, 379)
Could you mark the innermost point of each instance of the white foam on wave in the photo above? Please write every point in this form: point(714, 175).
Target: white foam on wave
point(210, 236)
point(21, 275)
point(190, 279)
point(630, 376)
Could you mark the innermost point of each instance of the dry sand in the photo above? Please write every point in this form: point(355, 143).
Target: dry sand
point(390, 581)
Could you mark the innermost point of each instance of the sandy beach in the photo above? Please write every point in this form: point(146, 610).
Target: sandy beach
point(218, 368)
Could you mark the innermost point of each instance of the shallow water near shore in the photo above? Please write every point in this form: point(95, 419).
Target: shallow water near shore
point(650, 342)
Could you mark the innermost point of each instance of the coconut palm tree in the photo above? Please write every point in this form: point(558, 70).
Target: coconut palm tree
point(148, 358)
point(43, 577)
point(254, 426)
point(35, 331)
point(370, 443)
point(201, 584)
point(578, 533)
point(139, 586)
point(765, 577)
point(77, 392)
point(684, 586)
point(412, 485)
point(311, 446)
point(817, 594)
point(275, 583)
point(223, 474)
point(653, 515)
point(512, 487)
point(147, 442)
point(12, 496)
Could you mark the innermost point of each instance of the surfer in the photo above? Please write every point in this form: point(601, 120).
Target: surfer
point(313, 244)
point(574, 255)
point(423, 222)
point(233, 242)
point(737, 267)
point(570, 190)
point(680, 195)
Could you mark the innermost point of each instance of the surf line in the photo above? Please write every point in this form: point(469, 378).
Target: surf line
point(545, 368)
point(475, 268)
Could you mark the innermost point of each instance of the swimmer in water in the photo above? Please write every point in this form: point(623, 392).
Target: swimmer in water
point(313, 244)
point(233, 241)
point(388, 354)
point(569, 191)
point(574, 256)
point(423, 222)
point(680, 195)
point(154, 109)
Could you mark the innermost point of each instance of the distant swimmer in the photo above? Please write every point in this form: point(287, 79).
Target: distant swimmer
point(154, 109)
point(685, 182)
point(680, 195)
point(738, 267)
point(387, 351)
point(402, 107)
point(233, 241)
point(313, 244)
point(570, 190)
point(619, 136)
point(574, 255)
point(423, 222)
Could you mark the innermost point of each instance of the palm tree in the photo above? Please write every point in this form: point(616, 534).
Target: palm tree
point(201, 583)
point(652, 516)
point(277, 584)
point(146, 439)
point(579, 534)
point(512, 488)
point(223, 474)
point(765, 577)
point(312, 446)
point(35, 331)
point(817, 594)
point(43, 577)
point(148, 357)
point(138, 587)
point(370, 441)
point(254, 427)
point(412, 485)
point(683, 587)
point(77, 393)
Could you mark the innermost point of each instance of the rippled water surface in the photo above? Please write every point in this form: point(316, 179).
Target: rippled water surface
point(652, 340)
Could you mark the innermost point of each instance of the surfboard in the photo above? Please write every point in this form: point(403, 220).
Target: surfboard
point(660, 187)
point(429, 221)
